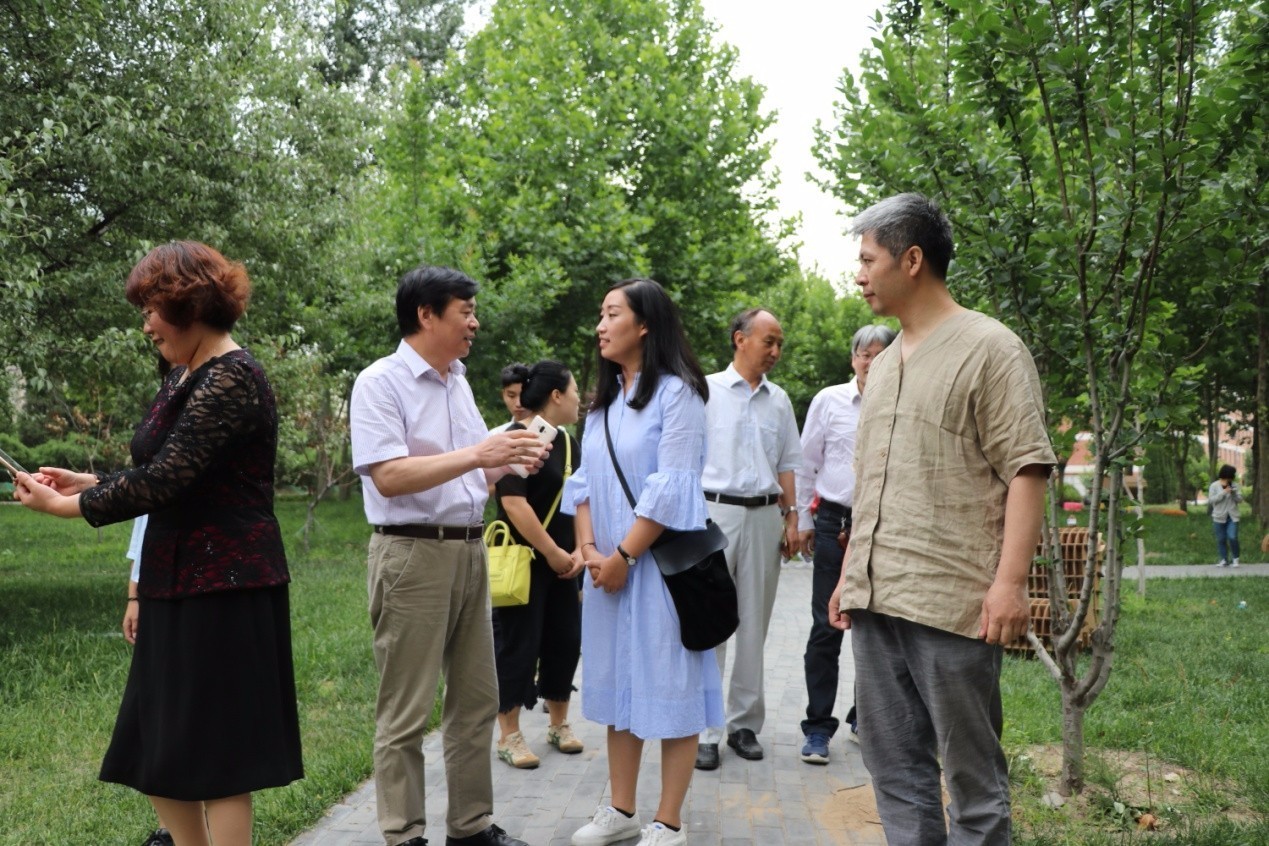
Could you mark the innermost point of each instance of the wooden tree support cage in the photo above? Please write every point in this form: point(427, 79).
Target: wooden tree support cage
point(1074, 541)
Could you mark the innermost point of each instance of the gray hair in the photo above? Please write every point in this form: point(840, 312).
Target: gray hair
point(743, 323)
point(907, 220)
point(875, 333)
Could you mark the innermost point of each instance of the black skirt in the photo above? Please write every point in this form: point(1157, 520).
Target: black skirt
point(209, 708)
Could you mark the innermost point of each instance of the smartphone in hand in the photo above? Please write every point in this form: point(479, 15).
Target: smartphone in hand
point(545, 431)
point(10, 464)
point(546, 435)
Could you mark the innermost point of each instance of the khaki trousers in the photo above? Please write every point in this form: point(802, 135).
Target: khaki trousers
point(429, 606)
point(753, 557)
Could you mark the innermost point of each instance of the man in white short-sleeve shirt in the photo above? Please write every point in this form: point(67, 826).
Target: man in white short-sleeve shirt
point(752, 450)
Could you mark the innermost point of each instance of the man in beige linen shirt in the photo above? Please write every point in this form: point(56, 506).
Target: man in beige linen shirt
point(951, 461)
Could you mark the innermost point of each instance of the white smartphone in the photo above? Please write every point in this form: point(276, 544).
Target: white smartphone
point(545, 431)
point(546, 435)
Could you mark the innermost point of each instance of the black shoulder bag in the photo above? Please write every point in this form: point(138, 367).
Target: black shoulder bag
point(695, 571)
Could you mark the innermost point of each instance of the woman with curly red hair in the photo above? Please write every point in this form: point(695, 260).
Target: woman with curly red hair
point(209, 712)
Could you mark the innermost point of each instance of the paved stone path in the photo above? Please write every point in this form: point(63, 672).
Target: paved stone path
point(778, 800)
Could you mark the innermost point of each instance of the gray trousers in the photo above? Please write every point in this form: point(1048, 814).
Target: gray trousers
point(753, 557)
point(928, 695)
point(429, 605)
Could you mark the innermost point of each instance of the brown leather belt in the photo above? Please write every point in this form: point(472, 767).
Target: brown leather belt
point(427, 531)
point(746, 501)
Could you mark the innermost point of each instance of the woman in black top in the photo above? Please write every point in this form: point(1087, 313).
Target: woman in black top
point(209, 712)
point(546, 634)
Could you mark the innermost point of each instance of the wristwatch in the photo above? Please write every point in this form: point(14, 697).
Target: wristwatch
point(630, 559)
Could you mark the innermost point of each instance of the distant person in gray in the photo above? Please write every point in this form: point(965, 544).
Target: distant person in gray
point(1223, 497)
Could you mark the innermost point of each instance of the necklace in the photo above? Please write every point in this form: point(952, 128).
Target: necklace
point(222, 347)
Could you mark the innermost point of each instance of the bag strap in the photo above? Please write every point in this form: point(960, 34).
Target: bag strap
point(497, 533)
point(568, 471)
point(621, 477)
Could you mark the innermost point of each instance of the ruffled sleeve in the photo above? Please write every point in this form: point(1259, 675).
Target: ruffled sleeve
point(672, 495)
point(577, 486)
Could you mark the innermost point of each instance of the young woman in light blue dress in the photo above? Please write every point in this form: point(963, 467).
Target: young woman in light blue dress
point(637, 678)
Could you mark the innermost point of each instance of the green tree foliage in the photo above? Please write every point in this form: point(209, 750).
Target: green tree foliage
point(247, 124)
point(362, 39)
point(1103, 166)
point(573, 145)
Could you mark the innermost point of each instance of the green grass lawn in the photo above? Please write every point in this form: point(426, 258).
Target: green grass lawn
point(63, 663)
point(1189, 686)
point(1176, 539)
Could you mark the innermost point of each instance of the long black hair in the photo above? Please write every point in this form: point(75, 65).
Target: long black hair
point(540, 381)
point(665, 348)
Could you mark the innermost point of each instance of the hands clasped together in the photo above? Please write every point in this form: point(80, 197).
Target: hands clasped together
point(606, 571)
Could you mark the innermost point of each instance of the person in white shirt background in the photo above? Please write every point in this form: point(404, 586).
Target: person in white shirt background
point(827, 472)
point(512, 378)
point(751, 453)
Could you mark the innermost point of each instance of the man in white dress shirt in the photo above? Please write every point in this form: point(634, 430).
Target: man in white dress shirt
point(827, 471)
point(426, 461)
point(752, 450)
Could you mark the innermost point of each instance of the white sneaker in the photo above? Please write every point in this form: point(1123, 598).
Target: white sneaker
point(607, 826)
point(658, 835)
point(1221, 563)
point(1235, 564)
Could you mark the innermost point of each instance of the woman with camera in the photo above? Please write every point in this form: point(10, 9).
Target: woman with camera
point(209, 712)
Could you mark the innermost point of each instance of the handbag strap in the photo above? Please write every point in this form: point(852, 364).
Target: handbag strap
point(621, 477)
point(568, 471)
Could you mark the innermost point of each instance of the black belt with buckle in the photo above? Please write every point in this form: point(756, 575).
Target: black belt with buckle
point(427, 531)
point(746, 501)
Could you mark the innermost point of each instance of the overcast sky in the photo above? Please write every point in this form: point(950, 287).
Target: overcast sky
point(797, 49)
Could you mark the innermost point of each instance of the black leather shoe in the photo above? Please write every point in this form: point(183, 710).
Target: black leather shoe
point(415, 841)
point(492, 836)
point(746, 744)
point(707, 756)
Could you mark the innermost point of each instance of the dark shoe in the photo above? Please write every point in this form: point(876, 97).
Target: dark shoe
point(746, 744)
point(415, 841)
point(158, 837)
point(707, 756)
point(492, 836)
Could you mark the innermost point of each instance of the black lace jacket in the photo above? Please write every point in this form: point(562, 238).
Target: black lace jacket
point(204, 457)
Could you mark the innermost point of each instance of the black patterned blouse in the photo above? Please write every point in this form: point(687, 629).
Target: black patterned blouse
point(204, 457)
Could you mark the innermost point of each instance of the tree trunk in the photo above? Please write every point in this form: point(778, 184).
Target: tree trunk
point(1260, 443)
point(1181, 455)
point(1213, 436)
point(1072, 779)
